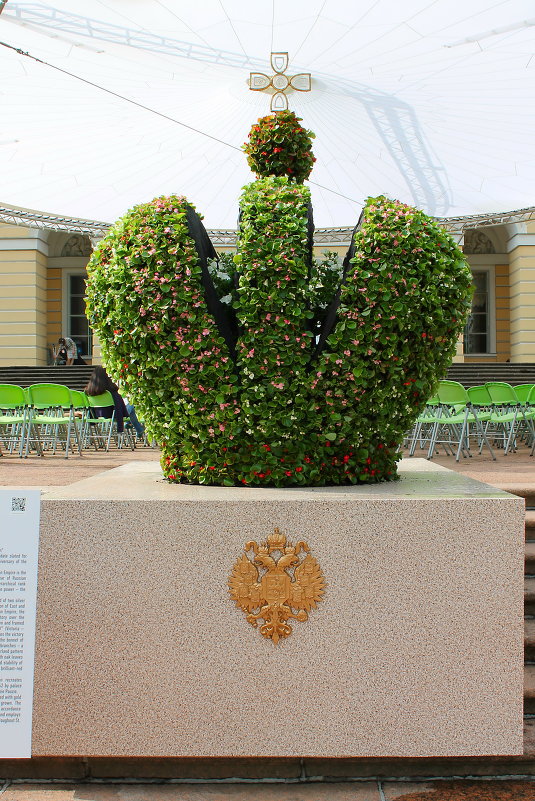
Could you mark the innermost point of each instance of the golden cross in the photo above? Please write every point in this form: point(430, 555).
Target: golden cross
point(279, 83)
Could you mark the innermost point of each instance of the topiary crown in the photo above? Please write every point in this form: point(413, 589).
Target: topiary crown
point(280, 371)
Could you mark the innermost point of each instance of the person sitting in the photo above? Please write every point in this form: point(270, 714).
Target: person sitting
point(66, 351)
point(139, 428)
point(100, 382)
point(79, 355)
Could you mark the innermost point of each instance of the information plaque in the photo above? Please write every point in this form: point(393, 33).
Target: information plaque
point(19, 547)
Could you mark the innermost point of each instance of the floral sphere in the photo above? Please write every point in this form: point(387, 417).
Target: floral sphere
point(278, 145)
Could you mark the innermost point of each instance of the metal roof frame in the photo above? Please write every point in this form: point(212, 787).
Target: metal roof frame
point(95, 229)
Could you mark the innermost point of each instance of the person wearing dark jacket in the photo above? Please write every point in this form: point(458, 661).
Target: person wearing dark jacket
point(100, 382)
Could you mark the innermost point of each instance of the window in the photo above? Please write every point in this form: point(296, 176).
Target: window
point(477, 329)
point(77, 325)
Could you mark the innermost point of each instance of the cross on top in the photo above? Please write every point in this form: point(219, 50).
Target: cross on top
point(279, 82)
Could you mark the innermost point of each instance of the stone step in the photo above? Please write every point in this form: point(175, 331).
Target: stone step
point(474, 374)
point(286, 772)
point(529, 639)
point(530, 524)
point(74, 376)
point(529, 595)
point(529, 689)
point(529, 557)
point(524, 490)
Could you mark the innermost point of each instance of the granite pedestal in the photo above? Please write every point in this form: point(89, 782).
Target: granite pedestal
point(416, 649)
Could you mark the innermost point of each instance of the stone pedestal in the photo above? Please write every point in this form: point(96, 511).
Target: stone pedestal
point(416, 649)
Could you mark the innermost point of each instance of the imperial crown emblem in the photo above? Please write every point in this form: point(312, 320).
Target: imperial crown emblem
point(288, 588)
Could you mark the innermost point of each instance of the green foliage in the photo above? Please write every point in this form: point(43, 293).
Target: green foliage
point(403, 304)
point(223, 273)
point(278, 146)
point(145, 301)
point(325, 279)
point(281, 413)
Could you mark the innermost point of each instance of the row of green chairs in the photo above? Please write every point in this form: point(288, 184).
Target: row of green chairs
point(494, 412)
point(44, 417)
point(13, 417)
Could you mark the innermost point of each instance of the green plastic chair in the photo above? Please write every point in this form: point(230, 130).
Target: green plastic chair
point(81, 412)
point(27, 396)
point(479, 397)
point(13, 417)
point(109, 425)
point(457, 422)
point(419, 433)
point(78, 399)
point(529, 414)
point(502, 394)
point(506, 413)
point(530, 400)
point(99, 429)
point(49, 420)
point(522, 392)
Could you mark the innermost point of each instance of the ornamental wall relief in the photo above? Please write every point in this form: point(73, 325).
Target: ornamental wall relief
point(77, 245)
point(477, 241)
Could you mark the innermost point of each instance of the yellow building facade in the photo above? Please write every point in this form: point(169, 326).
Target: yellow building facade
point(43, 266)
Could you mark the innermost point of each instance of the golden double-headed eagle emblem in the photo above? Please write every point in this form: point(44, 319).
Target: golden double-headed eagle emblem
point(289, 586)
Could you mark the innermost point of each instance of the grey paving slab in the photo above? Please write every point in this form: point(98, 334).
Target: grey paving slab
point(396, 790)
point(367, 791)
point(438, 790)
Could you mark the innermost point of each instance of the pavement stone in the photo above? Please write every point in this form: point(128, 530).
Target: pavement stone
point(515, 469)
point(442, 790)
point(36, 792)
point(438, 790)
point(360, 791)
point(54, 471)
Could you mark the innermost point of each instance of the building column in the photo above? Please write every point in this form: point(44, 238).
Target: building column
point(521, 249)
point(23, 268)
point(458, 238)
point(97, 350)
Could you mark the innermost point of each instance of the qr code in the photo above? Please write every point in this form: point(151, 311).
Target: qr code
point(18, 504)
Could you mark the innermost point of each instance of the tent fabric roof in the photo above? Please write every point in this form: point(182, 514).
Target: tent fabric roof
point(118, 101)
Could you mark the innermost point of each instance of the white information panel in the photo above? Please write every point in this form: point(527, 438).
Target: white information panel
point(19, 548)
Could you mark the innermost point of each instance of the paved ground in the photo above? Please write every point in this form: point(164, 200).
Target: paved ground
point(51, 471)
point(48, 471)
point(514, 469)
point(504, 790)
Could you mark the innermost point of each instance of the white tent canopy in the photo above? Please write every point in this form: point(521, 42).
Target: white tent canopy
point(428, 101)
